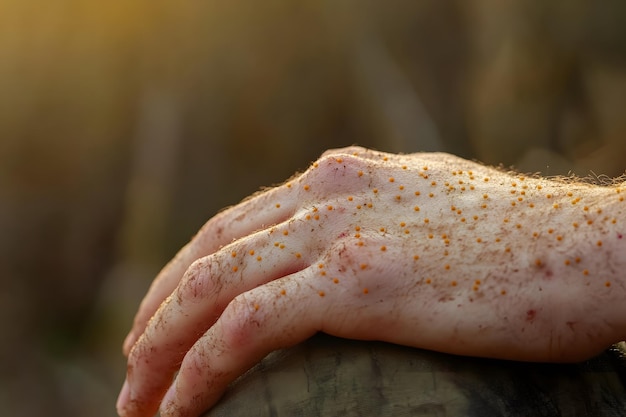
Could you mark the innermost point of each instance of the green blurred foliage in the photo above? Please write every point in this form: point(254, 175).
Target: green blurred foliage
point(125, 125)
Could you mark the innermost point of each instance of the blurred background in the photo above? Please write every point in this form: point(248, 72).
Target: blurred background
point(125, 125)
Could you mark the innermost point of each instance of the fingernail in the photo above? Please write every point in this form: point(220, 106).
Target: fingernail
point(122, 400)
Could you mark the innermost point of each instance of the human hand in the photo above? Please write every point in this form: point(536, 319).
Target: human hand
point(426, 250)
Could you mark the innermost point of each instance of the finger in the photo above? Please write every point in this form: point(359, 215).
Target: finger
point(330, 176)
point(277, 315)
point(205, 290)
point(265, 209)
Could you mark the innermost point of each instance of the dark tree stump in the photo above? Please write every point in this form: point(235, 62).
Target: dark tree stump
point(328, 376)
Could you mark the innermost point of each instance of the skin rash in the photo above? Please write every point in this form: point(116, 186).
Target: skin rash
point(426, 250)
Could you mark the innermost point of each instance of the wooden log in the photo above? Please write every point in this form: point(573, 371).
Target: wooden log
point(328, 376)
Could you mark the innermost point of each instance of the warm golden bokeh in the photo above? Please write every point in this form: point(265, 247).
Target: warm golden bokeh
point(125, 124)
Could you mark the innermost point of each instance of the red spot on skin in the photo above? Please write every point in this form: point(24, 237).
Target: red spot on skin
point(530, 315)
point(619, 235)
point(549, 273)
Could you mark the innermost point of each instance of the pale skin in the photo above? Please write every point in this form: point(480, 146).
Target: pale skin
point(425, 250)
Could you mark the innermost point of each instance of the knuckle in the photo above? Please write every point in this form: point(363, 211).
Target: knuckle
point(241, 321)
point(342, 254)
point(193, 368)
point(351, 259)
point(199, 283)
point(212, 231)
point(348, 150)
point(338, 172)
